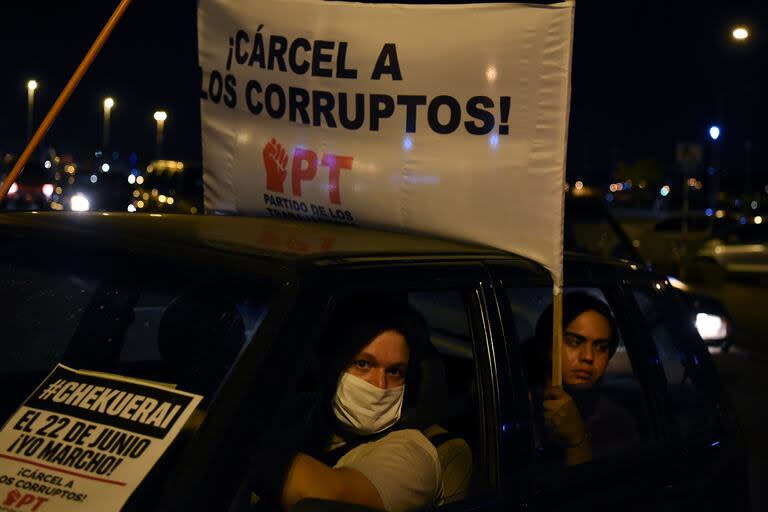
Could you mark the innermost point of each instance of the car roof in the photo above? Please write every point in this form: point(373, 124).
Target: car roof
point(266, 237)
point(272, 241)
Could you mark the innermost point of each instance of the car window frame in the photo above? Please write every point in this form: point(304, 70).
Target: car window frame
point(467, 276)
point(316, 290)
point(213, 438)
point(690, 344)
point(639, 461)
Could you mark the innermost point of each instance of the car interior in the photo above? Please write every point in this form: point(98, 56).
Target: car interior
point(619, 382)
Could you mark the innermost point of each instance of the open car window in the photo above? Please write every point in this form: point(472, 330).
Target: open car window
point(613, 408)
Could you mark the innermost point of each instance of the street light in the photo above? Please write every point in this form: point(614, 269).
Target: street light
point(714, 134)
point(31, 87)
point(740, 33)
point(160, 116)
point(108, 104)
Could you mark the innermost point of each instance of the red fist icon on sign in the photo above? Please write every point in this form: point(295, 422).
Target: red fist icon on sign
point(11, 497)
point(275, 165)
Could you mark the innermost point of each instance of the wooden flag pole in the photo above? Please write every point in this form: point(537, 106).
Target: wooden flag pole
point(63, 97)
point(557, 339)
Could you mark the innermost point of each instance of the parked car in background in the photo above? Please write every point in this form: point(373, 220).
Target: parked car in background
point(739, 249)
point(676, 239)
point(32, 190)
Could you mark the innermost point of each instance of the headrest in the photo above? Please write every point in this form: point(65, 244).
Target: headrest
point(427, 406)
point(201, 333)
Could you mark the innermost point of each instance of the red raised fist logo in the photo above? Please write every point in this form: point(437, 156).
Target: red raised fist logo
point(275, 165)
point(12, 497)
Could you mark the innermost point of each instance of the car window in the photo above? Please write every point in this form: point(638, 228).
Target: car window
point(141, 321)
point(130, 315)
point(675, 225)
point(669, 225)
point(595, 236)
point(688, 404)
point(440, 404)
point(607, 411)
point(747, 234)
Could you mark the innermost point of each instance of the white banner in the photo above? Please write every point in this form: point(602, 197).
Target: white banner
point(85, 440)
point(442, 119)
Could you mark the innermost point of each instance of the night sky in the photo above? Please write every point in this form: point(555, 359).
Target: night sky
point(646, 75)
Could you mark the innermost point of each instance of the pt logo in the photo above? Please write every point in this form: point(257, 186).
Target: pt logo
point(304, 165)
point(19, 501)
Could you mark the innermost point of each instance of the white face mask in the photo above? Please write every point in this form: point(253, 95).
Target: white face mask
point(364, 408)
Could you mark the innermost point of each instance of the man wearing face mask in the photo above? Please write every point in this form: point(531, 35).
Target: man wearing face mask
point(357, 453)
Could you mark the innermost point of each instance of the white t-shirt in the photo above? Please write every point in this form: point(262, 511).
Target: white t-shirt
point(404, 468)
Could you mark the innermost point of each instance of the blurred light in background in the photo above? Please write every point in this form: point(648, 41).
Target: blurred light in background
point(758, 219)
point(711, 327)
point(79, 203)
point(664, 191)
point(714, 132)
point(740, 33)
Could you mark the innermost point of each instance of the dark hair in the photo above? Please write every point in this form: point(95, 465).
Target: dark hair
point(538, 350)
point(358, 320)
point(355, 321)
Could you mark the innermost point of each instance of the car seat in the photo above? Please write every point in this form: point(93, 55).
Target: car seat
point(199, 337)
point(428, 410)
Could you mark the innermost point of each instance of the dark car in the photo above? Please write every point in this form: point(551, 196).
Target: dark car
point(94, 190)
point(591, 228)
point(32, 190)
point(103, 299)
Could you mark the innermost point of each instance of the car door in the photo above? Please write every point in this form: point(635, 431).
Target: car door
point(456, 303)
point(624, 479)
point(704, 463)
